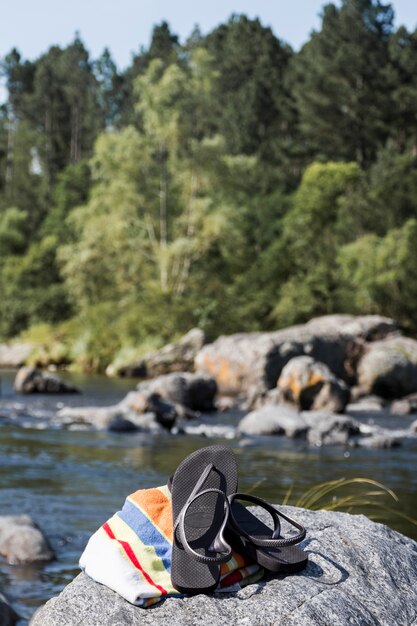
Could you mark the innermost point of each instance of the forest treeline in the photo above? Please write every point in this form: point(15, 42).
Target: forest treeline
point(227, 182)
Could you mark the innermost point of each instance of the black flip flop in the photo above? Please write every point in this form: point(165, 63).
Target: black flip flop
point(250, 536)
point(200, 511)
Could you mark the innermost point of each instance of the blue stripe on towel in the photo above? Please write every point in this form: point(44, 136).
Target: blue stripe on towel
point(147, 532)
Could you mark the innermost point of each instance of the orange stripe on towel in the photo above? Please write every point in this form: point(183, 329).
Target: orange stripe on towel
point(155, 504)
point(125, 545)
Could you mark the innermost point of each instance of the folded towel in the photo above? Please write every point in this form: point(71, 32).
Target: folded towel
point(131, 552)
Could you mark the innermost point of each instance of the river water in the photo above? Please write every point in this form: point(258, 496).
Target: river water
point(71, 481)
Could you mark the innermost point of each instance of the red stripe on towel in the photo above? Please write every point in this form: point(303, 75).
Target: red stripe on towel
point(231, 579)
point(133, 558)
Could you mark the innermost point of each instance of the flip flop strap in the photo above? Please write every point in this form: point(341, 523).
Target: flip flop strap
point(220, 544)
point(276, 541)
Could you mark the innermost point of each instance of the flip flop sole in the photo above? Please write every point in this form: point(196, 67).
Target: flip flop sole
point(204, 517)
point(285, 560)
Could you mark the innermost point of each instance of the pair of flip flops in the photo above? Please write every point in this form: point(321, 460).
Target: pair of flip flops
point(209, 519)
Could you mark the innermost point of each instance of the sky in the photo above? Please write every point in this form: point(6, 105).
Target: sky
point(125, 25)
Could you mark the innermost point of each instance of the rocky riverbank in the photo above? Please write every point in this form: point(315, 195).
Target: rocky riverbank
point(337, 379)
point(21, 543)
point(359, 572)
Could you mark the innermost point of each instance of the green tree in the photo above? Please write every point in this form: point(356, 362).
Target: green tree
point(12, 232)
point(155, 216)
point(340, 80)
point(312, 232)
point(254, 111)
point(71, 190)
point(81, 90)
point(19, 77)
point(111, 88)
point(379, 275)
point(164, 46)
point(32, 289)
point(403, 66)
point(386, 196)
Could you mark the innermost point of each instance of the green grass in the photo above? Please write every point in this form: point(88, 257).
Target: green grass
point(337, 495)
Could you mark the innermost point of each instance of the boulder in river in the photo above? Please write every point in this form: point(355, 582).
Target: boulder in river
point(389, 368)
point(32, 380)
point(174, 357)
point(8, 617)
point(380, 441)
point(366, 405)
point(329, 429)
point(21, 541)
point(274, 420)
point(251, 363)
point(405, 406)
point(193, 391)
point(114, 418)
point(359, 572)
point(311, 385)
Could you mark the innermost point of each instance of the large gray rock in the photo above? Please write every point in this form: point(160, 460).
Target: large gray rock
point(193, 391)
point(14, 355)
point(405, 406)
point(389, 368)
point(8, 617)
point(329, 429)
point(359, 573)
point(274, 420)
point(310, 385)
point(32, 380)
point(21, 541)
point(250, 363)
point(116, 418)
point(156, 403)
point(174, 357)
point(366, 327)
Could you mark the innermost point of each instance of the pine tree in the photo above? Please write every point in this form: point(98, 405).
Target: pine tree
point(403, 65)
point(254, 110)
point(340, 82)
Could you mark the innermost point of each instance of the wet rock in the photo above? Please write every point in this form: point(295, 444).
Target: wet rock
point(366, 404)
point(226, 403)
point(310, 385)
point(146, 401)
point(274, 420)
point(209, 430)
point(326, 429)
point(405, 406)
point(380, 441)
point(139, 410)
point(389, 368)
point(164, 411)
point(193, 391)
point(119, 424)
point(8, 617)
point(266, 398)
point(13, 355)
point(400, 407)
point(174, 357)
point(98, 417)
point(114, 418)
point(251, 363)
point(21, 541)
point(359, 573)
point(31, 380)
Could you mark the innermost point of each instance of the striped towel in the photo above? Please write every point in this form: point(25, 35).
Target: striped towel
point(131, 552)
